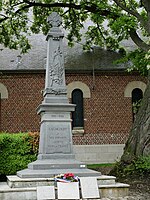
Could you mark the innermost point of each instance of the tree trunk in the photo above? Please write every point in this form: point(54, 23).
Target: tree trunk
point(138, 143)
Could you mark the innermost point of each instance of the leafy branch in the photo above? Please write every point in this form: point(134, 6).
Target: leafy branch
point(123, 19)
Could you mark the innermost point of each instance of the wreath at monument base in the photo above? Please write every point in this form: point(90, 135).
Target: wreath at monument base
point(66, 178)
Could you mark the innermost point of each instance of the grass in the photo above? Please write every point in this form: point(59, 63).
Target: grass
point(95, 166)
point(101, 165)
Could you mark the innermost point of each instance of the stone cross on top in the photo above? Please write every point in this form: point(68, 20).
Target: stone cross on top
point(55, 72)
point(54, 19)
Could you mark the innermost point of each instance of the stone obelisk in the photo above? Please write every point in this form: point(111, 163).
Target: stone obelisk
point(55, 148)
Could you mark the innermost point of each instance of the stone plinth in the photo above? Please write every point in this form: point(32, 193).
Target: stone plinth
point(26, 189)
point(17, 182)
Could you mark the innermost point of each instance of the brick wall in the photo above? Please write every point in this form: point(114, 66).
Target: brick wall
point(18, 112)
point(107, 114)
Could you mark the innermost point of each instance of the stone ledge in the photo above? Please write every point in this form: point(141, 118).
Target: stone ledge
point(17, 178)
point(114, 191)
point(106, 180)
point(82, 172)
point(103, 177)
point(5, 188)
point(116, 185)
point(17, 182)
point(106, 191)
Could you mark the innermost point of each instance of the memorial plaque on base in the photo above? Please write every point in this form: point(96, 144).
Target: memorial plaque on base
point(68, 190)
point(58, 138)
point(89, 187)
point(45, 192)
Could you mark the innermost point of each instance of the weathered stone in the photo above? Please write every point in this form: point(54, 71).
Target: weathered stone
point(89, 191)
point(25, 189)
point(55, 146)
point(68, 190)
point(45, 192)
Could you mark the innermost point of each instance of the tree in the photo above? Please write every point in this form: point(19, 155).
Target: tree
point(123, 19)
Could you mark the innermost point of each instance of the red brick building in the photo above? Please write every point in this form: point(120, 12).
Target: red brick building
point(106, 92)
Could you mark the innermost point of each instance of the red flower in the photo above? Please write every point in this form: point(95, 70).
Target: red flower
point(68, 175)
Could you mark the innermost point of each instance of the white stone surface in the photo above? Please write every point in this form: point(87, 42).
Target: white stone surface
point(68, 190)
point(117, 190)
point(106, 180)
point(98, 153)
point(45, 192)
point(89, 188)
point(7, 193)
point(17, 182)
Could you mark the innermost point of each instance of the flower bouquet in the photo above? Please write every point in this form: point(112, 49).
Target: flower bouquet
point(66, 178)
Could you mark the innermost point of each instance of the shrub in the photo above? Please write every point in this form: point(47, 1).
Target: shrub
point(142, 165)
point(139, 166)
point(16, 151)
point(34, 141)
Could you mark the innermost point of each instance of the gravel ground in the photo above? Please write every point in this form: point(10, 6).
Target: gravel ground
point(133, 195)
point(139, 186)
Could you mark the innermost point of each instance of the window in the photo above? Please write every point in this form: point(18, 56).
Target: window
point(77, 115)
point(137, 95)
point(78, 91)
point(135, 90)
point(134, 85)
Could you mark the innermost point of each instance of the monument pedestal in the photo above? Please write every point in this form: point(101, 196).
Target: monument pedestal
point(55, 150)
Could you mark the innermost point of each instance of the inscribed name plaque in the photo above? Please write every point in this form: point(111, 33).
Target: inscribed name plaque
point(89, 187)
point(58, 138)
point(68, 190)
point(45, 192)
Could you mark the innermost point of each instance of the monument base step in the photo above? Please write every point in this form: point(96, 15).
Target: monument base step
point(50, 173)
point(7, 193)
point(30, 193)
point(17, 182)
point(55, 164)
point(114, 191)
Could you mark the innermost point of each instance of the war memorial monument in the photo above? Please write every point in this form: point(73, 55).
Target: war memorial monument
point(55, 148)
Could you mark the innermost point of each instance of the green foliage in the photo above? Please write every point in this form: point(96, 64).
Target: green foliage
point(139, 166)
point(135, 106)
point(103, 23)
point(122, 25)
point(138, 60)
point(95, 166)
point(15, 152)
